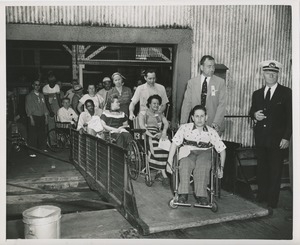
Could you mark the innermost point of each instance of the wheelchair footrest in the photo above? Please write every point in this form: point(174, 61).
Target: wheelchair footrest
point(183, 204)
point(196, 205)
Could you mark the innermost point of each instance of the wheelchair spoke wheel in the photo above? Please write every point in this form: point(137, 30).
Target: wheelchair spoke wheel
point(55, 140)
point(133, 160)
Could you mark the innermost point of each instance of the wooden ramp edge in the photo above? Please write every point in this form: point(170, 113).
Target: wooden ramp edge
point(152, 204)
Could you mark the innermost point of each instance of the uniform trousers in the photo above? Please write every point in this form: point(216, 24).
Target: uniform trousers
point(37, 133)
point(200, 161)
point(269, 169)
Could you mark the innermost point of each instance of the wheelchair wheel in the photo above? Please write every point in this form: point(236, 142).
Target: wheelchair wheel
point(55, 140)
point(214, 207)
point(171, 204)
point(148, 181)
point(133, 160)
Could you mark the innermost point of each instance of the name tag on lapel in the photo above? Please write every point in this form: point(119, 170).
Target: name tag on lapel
point(213, 90)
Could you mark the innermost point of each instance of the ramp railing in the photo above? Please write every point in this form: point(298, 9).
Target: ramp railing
point(105, 169)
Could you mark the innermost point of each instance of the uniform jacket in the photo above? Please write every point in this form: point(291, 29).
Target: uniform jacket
point(215, 100)
point(278, 124)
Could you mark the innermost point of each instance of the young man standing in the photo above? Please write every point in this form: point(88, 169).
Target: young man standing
point(38, 118)
point(144, 91)
point(207, 90)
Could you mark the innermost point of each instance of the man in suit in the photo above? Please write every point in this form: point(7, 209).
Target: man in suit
point(271, 111)
point(207, 90)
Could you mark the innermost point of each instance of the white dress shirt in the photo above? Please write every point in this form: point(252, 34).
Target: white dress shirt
point(66, 115)
point(272, 90)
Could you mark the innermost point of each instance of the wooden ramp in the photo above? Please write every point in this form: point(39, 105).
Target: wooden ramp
point(153, 209)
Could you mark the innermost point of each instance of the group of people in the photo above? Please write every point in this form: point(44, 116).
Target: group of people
point(201, 122)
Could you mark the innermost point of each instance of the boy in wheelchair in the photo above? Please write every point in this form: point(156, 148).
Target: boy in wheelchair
point(66, 114)
point(195, 140)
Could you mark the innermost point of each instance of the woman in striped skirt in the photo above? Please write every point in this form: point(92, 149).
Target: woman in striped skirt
point(152, 120)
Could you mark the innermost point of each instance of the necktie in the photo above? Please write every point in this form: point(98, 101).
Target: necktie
point(204, 92)
point(268, 96)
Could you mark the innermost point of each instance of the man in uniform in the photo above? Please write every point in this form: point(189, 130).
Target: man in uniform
point(271, 111)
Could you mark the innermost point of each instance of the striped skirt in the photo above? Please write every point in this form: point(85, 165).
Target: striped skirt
point(158, 157)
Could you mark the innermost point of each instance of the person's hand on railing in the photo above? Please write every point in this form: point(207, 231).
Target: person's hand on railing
point(81, 131)
point(131, 116)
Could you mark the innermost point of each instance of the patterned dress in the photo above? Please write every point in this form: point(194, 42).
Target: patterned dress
point(158, 157)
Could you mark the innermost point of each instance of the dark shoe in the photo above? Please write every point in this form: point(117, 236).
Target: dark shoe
point(202, 201)
point(166, 182)
point(182, 198)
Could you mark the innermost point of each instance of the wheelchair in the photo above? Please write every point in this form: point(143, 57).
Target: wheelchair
point(138, 158)
point(213, 187)
point(17, 139)
point(59, 138)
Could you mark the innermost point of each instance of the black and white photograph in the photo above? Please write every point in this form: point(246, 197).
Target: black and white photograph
point(166, 121)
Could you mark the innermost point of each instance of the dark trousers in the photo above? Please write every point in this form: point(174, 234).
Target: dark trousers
point(37, 133)
point(122, 139)
point(269, 169)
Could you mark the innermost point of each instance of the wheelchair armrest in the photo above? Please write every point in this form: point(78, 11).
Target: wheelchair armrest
point(138, 130)
point(63, 125)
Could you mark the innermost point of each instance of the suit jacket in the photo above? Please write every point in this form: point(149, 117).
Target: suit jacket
point(278, 124)
point(215, 100)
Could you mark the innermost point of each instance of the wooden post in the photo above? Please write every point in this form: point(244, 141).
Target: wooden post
point(80, 68)
point(74, 61)
point(108, 167)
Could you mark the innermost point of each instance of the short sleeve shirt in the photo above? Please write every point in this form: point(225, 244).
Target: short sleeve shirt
point(51, 92)
point(144, 91)
point(189, 132)
point(112, 120)
point(97, 99)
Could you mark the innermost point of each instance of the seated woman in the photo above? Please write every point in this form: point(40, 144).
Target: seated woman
point(195, 140)
point(152, 120)
point(89, 120)
point(115, 121)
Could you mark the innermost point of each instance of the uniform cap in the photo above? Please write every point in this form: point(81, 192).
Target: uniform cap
point(271, 65)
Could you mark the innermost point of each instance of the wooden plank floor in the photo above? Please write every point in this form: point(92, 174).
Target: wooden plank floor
point(39, 171)
point(275, 227)
point(152, 203)
point(85, 225)
point(33, 182)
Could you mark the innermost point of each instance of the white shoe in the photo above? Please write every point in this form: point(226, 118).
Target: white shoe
point(32, 155)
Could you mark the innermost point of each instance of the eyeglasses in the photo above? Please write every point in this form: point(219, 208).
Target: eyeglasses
point(36, 85)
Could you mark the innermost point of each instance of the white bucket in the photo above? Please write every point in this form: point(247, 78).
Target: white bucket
point(42, 222)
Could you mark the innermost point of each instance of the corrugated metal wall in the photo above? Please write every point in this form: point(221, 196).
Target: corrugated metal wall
point(238, 36)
